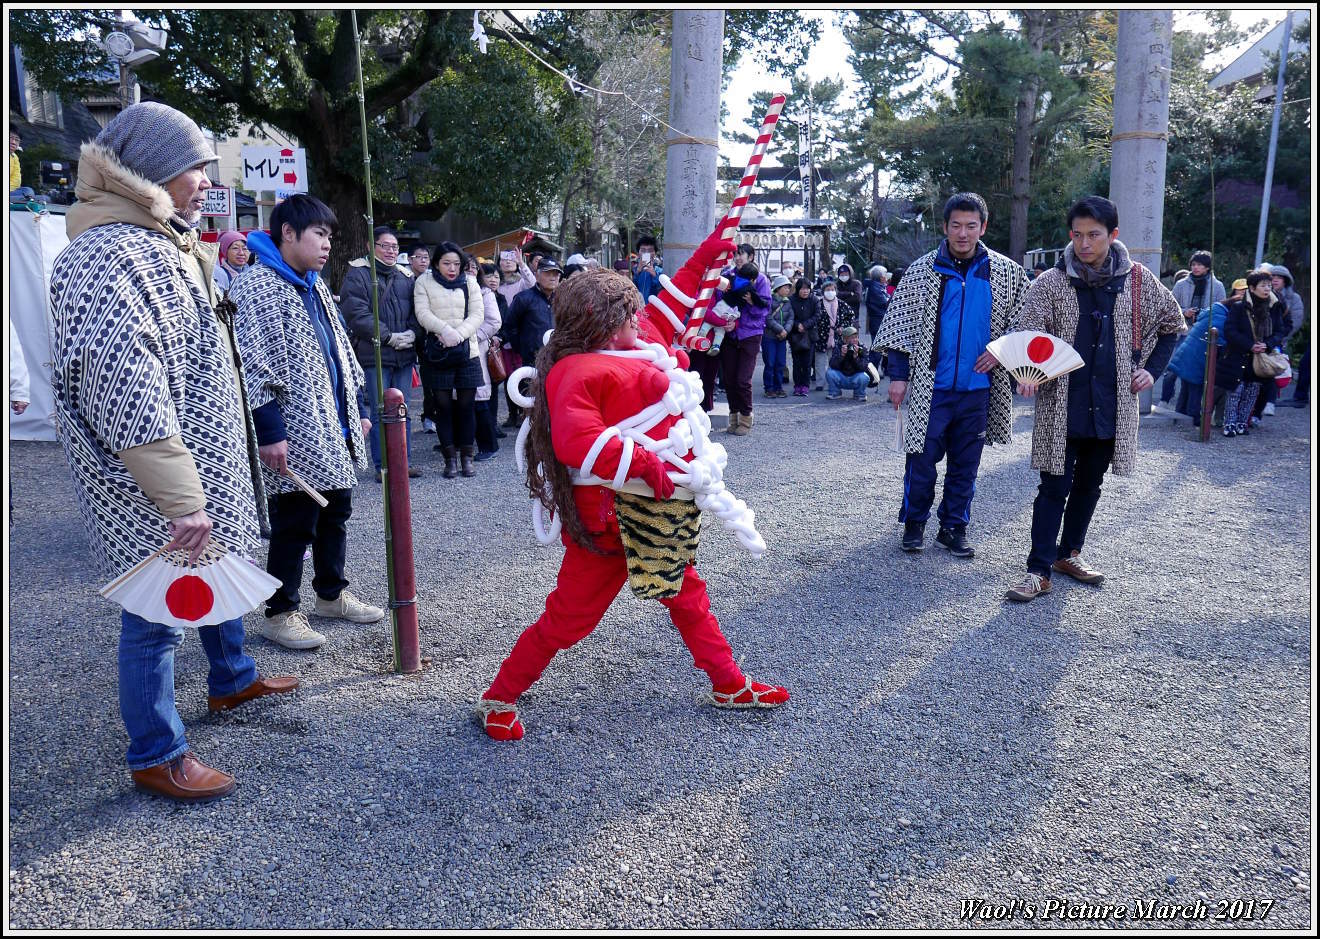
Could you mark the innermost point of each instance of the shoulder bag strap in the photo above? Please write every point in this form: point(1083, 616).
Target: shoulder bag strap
point(1136, 274)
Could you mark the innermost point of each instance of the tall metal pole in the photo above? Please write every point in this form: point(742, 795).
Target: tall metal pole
point(1274, 141)
point(696, 61)
point(1140, 139)
point(375, 340)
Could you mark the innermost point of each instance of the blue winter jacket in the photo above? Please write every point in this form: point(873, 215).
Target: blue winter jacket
point(1188, 363)
point(964, 324)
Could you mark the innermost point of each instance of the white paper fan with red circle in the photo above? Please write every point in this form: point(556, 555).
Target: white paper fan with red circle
point(165, 588)
point(1033, 358)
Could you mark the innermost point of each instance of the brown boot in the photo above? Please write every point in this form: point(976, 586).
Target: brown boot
point(185, 779)
point(451, 461)
point(465, 456)
point(739, 424)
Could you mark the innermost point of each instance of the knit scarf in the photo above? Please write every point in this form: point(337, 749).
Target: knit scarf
point(1116, 263)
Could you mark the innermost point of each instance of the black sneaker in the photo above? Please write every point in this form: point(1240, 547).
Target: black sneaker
point(956, 542)
point(914, 534)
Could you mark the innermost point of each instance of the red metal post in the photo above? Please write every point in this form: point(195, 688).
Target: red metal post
point(403, 605)
point(1208, 389)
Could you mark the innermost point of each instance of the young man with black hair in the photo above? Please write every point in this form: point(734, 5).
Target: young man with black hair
point(646, 274)
point(948, 306)
point(306, 391)
point(1198, 291)
point(1087, 420)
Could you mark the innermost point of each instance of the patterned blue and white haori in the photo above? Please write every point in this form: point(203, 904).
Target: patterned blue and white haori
point(140, 357)
point(284, 362)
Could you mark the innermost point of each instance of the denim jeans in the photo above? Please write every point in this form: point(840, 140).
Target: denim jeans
point(774, 353)
point(837, 382)
point(146, 682)
point(401, 378)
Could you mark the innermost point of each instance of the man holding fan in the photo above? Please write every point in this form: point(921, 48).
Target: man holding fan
point(149, 407)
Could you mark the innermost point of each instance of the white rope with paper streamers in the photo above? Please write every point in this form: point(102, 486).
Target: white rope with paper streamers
point(700, 478)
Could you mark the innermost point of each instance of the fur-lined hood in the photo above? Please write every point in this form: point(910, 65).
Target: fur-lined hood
point(109, 192)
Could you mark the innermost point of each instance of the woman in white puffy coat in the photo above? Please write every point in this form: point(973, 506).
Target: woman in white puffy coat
point(450, 310)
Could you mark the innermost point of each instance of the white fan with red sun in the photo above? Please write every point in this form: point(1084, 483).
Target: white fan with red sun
point(1034, 358)
point(165, 588)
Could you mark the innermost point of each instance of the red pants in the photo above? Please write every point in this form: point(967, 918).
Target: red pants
point(588, 584)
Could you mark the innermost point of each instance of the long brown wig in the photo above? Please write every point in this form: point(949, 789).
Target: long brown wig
point(589, 308)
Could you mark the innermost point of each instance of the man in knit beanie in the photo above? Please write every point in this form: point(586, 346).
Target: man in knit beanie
point(150, 409)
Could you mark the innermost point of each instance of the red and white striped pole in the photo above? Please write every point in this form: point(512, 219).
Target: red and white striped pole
point(729, 227)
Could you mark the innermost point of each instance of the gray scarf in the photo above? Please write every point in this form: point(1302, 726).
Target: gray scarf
point(1116, 263)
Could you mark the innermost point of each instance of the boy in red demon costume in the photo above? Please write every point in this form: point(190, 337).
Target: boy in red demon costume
point(616, 424)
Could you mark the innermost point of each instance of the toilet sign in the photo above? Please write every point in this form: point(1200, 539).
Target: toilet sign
point(219, 202)
point(267, 169)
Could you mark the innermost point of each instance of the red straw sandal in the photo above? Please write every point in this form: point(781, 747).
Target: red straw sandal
point(500, 718)
point(752, 694)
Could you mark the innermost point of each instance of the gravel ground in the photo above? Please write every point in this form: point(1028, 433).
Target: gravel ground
point(1145, 741)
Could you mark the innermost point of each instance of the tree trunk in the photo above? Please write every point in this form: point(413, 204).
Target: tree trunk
point(1033, 22)
point(348, 200)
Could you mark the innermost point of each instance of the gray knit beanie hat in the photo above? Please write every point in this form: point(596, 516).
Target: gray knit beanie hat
point(156, 141)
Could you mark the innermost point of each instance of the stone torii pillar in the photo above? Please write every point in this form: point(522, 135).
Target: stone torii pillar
point(1140, 140)
point(696, 63)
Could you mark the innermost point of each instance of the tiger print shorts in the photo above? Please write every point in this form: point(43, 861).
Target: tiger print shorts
point(659, 541)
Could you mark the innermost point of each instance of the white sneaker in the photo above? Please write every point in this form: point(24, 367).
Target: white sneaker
point(1268, 410)
point(292, 631)
point(348, 607)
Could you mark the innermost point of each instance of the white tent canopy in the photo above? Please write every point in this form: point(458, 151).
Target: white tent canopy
point(34, 241)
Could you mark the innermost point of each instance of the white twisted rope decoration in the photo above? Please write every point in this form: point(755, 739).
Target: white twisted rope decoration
point(700, 478)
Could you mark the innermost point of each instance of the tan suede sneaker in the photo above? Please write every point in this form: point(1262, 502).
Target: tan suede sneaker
point(348, 607)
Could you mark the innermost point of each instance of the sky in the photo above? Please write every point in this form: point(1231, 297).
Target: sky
point(829, 59)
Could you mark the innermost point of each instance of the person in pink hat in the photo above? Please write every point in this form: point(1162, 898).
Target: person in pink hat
point(234, 257)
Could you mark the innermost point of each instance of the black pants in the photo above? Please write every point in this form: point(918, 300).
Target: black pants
point(456, 420)
point(486, 439)
point(1070, 499)
point(296, 522)
point(707, 367)
point(801, 368)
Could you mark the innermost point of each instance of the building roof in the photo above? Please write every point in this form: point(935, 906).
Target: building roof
point(1250, 65)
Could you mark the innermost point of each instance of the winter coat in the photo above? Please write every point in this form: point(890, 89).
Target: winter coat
point(850, 359)
point(395, 291)
point(1235, 356)
point(447, 313)
point(526, 279)
point(140, 358)
point(851, 291)
point(224, 276)
point(877, 302)
point(753, 308)
point(1051, 306)
point(1188, 362)
point(486, 332)
point(1292, 300)
point(529, 318)
point(780, 318)
point(1183, 290)
point(834, 316)
point(806, 311)
point(283, 362)
point(910, 326)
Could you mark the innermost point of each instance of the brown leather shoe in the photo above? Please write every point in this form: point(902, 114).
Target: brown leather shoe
point(1078, 569)
point(259, 688)
point(185, 779)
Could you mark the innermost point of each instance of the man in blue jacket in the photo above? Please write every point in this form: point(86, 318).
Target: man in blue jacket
point(948, 306)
